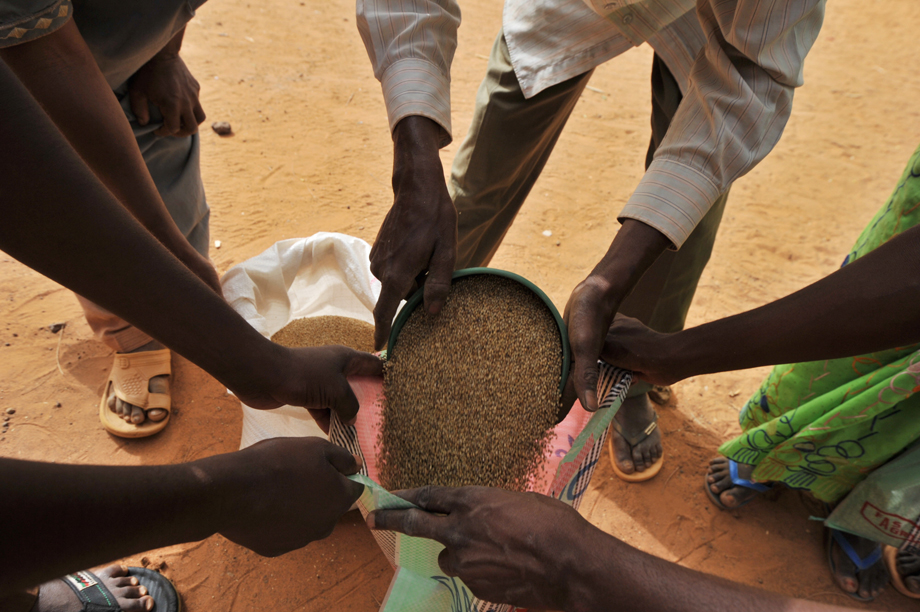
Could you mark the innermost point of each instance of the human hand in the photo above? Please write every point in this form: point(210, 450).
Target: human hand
point(281, 494)
point(513, 548)
point(165, 81)
point(315, 378)
point(650, 355)
point(419, 233)
point(595, 301)
point(588, 315)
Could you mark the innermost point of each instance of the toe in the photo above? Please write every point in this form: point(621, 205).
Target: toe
point(137, 415)
point(718, 484)
point(845, 571)
point(622, 454)
point(130, 592)
point(638, 458)
point(156, 414)
point(141, 604)
point(110, 402)
point(124, 581)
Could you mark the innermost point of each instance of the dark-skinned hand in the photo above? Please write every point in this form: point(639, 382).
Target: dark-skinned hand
point(594, 302)
point(316, 379)
point(166, 82)
point(506, 547)
point(588, 315)
point(283, 493)
point(419, 233)
point(633, 346)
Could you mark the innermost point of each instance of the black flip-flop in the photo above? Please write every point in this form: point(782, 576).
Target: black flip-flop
point(96, 598)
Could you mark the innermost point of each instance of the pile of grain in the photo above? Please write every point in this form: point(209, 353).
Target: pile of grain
point(323, 331)
point(471, 394)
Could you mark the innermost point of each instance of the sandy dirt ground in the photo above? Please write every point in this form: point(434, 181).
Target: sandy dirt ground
point(311, 152)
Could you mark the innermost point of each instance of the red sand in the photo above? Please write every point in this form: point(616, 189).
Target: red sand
point(311, 152)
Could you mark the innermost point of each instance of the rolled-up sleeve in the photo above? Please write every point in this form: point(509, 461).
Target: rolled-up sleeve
point(25, 20)
point(411, 45)
point(734, 111)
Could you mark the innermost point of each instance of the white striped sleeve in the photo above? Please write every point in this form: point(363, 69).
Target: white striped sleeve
point(411, 45)
point(734, 111)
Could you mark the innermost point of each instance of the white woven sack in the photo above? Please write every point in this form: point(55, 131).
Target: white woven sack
point(325, 274)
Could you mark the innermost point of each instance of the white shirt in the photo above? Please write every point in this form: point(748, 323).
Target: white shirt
point(737, 63)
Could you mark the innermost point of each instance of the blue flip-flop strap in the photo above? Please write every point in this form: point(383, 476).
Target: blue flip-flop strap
point(860, 562)
point(743, 482)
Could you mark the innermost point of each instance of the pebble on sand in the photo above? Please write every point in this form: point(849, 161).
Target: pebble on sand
point(222, 128)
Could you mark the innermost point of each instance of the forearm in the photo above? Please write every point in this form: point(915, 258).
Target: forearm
point(634, 249)
point(66, 225)
point(62, 75)
point(607, 574)
point(67, 516)
point(868, 305)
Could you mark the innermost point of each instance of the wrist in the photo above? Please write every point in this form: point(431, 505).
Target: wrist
point(585, 570)
point(633, 250)
point(265, 369)
point(415, 146)
point(221, 484)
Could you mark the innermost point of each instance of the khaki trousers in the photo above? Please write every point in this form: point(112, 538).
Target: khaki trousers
point(508, 144)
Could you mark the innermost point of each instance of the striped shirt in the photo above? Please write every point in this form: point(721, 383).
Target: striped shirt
point(737, 63)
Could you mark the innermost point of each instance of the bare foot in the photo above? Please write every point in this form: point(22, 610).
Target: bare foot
point(720, 483)
point(634, 416)
point(908, 565)
point(55, 596)
point(867, 583)
point(158, 384)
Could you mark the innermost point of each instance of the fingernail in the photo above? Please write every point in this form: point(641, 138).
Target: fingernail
point(149, 604)
point(133, 581)
point(371, 523)
point(142, 590)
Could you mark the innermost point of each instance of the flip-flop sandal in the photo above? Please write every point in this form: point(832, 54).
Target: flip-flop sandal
point(737, 481)
point(633, 440)
point(96, 598)
point(890, 555)
point(861, 563)
point(129, 380)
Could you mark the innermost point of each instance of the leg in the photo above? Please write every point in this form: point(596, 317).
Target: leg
point(174, 165)
point(504, 152)
point(663, 295)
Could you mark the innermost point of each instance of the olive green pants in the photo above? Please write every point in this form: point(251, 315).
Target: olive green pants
point(508, 144)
